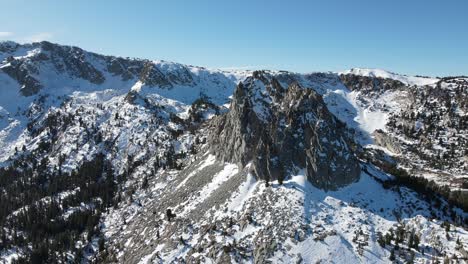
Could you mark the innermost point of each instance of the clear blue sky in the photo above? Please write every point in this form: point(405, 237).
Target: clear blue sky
point(413, 36)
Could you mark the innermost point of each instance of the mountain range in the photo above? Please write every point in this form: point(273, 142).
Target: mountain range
point(107, 159)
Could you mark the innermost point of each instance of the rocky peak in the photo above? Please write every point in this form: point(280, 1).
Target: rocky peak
point(281, 130)
point(74, 61)
point(8, 46)
point(44, 56)
point(176, 73)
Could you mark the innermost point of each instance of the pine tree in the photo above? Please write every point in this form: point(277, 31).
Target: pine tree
point(446, 260)
point(415, 242)
point(392, 255)
point(169, 215)
point(411, 260)
point(380, 239)
point(411, 239)
point(101, 244)
point(144, 185)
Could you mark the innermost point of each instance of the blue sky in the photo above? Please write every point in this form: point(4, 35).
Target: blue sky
point(412, 37)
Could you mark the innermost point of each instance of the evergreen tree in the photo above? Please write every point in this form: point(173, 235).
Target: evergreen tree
point(144, 184)
point(392, 255)
point(101, 244)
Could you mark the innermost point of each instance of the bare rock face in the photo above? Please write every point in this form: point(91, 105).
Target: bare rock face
point(23, 74)
point(383, 139)
point(152, 76)
point(280, 130)
point(8, 46)
point(364, 83)
point(71, 61)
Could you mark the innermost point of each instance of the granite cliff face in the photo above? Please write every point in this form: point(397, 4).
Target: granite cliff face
point(282, 129)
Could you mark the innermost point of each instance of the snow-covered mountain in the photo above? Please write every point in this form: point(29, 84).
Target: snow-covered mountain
point(109, 159)
point(383, 74)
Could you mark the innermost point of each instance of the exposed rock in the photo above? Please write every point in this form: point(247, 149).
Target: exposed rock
point(131, 97)
point(64, 59)
point(265, 248)
point(126, 68)
point(22, 72)
point(73, 61)
point(8, 46)
point(357, 82)
point(383, 139)
point(176, 73)
point(77, 63)
point(280, 130)
point(201, 109)
point(152, 76)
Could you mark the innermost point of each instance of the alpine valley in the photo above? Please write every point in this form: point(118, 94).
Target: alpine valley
point(118, 160)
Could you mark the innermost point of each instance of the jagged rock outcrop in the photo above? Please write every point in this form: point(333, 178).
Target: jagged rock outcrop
point(383, 139)
point(71, 60)
point(152, 76)
point(356, 82)
point(26, 70)
point(280, 130)
point(22, 73)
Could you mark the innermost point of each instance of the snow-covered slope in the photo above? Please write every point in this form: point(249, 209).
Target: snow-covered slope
point(379, 73)
point(233, 218)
